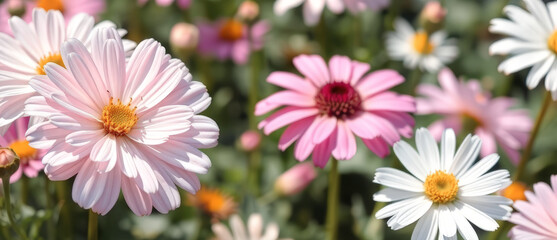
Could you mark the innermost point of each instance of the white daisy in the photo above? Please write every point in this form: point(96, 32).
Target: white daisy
point(418, 49)
point(532, 41)
point(254, 230)
point(34, 45)
point(445, 192)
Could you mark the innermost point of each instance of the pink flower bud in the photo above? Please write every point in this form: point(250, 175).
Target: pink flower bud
point(250, 140)
point(15, 7)
point(184, 37)
point(434, 12)
point(295, 179)
point(9, 162)
point(248, 10)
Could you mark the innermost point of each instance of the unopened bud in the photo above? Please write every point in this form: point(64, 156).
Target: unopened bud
point(15, 7)
point(248, 11)
point(295, 179)
point(432, 16)
point(184, 38)
point(9, 162)
point(250, 140)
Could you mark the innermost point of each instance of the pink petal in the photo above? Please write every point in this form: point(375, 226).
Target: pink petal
point(324, 128)
point(346, 143)
point(182, 156)
point(360, 125)
point(389, 101)
point(378, 146)
point(167, 197)
point(314, 68)
point(488, 142)
point(436, 128)
point(258, 31)
point(184, 179)
point(305, 145)
point(241, 51)
point(358, 70)
point(284, 117)
point(294, 131)
point(289, 98)
point(403, 122)
point(340, 68)
point(322, 151)
point(139, 202)
point(378, 81)
point(292, 82)
point(88, 185)
point(203, 133)
point(110, 193)
point(63, 172)
point(158, 124)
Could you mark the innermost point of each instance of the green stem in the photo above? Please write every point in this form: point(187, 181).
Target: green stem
point(331, 224)
point(415, 79)
point(92, 229)
point(18, 230)
point(65, 224)
point(321, 35)
point(24, 189)
point(528, 150)
point(49, 223)
point(392, 14)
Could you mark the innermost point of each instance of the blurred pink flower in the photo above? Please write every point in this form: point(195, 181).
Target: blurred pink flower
point(248, 10)
point(465, 102)
point(122, 123)
point(536, 218)
point(295, 179)
point(70, 8)
point(30, 158)
point(250, 140)
point(356, 6)
point(231, 39)
point(434, 12)
point(183, 4)
point(325, 108)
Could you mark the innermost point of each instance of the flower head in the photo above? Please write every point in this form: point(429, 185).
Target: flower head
point(515, 191)
point(248, 10)
point(429, 52)
point(33, 46)
point(119, 123)
point(213, 202)
point(254, 230)
point(9, 163)
point(250, 140)
point(30, 158)
point(531, 42)
point(231, 39)
point(535, 218)
point(184, 38)
point(325, 108)
point(465, 105)
point(446, 190)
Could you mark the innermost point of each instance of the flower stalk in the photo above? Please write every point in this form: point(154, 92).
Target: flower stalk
point(6, 186)
point(333, 202)
point(92, 228)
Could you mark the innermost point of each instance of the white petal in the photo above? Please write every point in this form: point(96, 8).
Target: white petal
point(427, 147)
point(395, 178)
point(448, 141)
point(476, 217)
point(410, 159)
point(426, 228)
point(478, 169)
point(281, 6)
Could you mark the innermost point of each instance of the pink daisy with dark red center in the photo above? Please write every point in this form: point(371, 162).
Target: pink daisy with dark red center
point(330, 104)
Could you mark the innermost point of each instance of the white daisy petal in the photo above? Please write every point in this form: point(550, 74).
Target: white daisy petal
point(476, 217)
point(427, 226)
point(397, 179)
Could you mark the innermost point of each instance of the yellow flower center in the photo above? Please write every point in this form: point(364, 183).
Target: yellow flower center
point(53, 58)
point(231, 30)
point(552, 42)
point(213, 202)
point(51, 5)
point(441, 187)
point(515, 191)
point(422, 44)
point(118, 119)
point(23, 150)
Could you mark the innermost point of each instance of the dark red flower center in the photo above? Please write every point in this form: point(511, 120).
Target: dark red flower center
point(338, 99)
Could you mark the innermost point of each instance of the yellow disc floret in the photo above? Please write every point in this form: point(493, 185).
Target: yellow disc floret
point(231, 30)
point(53, 58)
point(118, 119)
point(441, 187)
point(421, 43)
point(23, 150)
point(515, 191)
point(51, 5)
point(552, 42)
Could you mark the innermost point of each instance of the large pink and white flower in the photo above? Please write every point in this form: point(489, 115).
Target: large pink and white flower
point(466, 105)
point(33, 45)
point(118, 123)
point(535, 218)
point(30, 158)
point(325, 108)
point(231, 39)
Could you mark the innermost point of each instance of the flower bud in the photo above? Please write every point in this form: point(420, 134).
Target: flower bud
point(15, 7)
point(248, 11)
point(9, 162)
point(250, 140)
point(295, 179)
point(515, 191)
point(432, 16)
point(184, 38)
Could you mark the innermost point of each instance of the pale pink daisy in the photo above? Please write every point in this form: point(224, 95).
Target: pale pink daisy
point(231, 39)
point(465, 103)
point(30, 158)
point(183, 4)
point(120, 123)
point(536, 219)
point(325, 108)
point(33, 46)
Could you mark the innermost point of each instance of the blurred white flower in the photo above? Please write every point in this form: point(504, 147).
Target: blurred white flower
point(532, 41)
point(445, 191)
point(239, 231)
point(420, 49)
